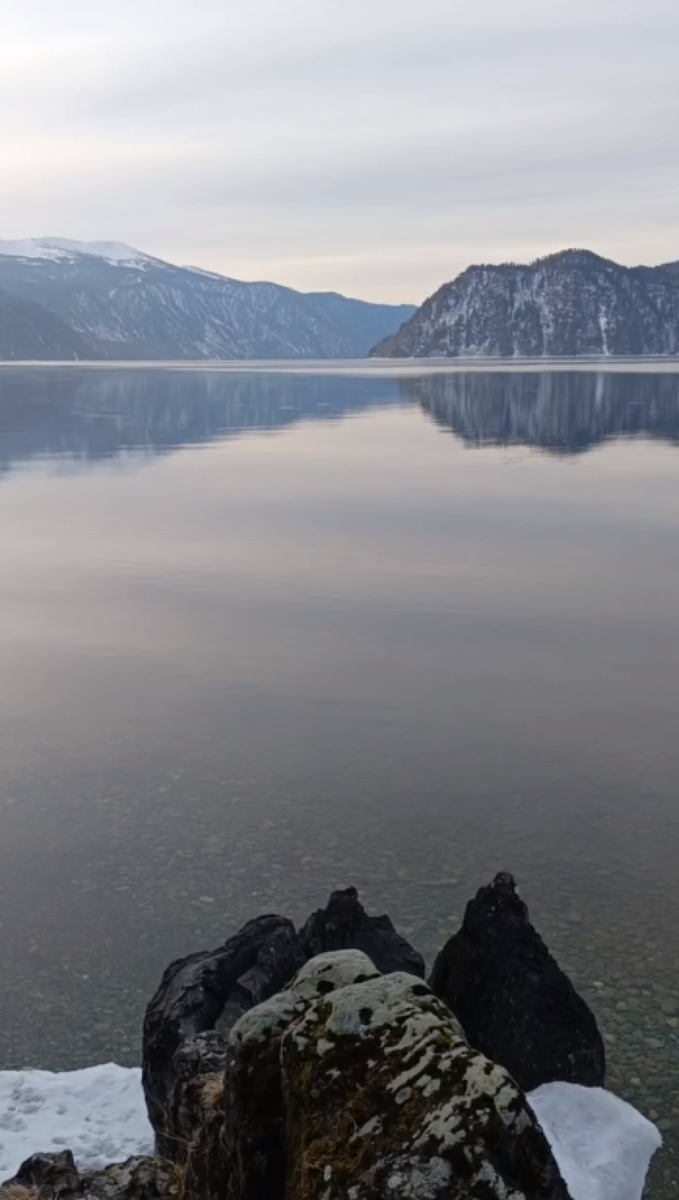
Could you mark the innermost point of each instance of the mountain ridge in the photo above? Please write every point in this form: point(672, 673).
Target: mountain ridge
point(568, 304)
point(121, 303)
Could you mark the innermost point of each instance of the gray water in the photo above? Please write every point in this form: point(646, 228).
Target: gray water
point(263, 633)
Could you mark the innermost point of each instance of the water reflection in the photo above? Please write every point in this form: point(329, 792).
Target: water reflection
point(91, 415)
point(94, 415)
point(561, 412)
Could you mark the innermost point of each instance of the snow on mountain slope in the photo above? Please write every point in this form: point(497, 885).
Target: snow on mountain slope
point(128, 305)
point(567, 305)
point(58, 249)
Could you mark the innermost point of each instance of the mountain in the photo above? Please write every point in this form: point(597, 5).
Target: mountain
point(30, 331)
point(122, 304)
point(567, 305)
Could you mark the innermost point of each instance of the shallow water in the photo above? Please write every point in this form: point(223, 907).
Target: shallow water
point(265, 633)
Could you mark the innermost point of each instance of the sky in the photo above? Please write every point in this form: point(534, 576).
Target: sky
point(373, 147)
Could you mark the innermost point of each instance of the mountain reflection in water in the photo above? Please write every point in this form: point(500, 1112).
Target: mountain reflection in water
point(562, 412)
point(91, 415)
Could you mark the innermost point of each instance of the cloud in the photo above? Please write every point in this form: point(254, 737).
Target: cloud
point(373, 147)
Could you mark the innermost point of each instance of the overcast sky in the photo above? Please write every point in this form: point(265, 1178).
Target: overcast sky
point(374, 147)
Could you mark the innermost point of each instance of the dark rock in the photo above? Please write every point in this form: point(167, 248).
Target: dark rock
point(211, 990)
point(511, 997)
point(384, 1098)
point(49, 1176)
point(206, 991)
point(344, 924)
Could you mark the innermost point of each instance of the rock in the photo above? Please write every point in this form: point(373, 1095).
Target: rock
point(384, 1098)
point(136, 1179)
point(49, 1176)
point(211, 990)
point(256, 1116)
point(514, 1002)
point(344, 924)
point(206, 991)
point(196, 1115)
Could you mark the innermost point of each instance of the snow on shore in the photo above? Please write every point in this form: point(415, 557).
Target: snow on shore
point(602, 1145)
point(99, 1113)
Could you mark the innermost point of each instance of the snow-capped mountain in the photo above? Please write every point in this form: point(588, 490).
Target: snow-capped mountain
point(567, 305)
point(60, 249)
point(120, 303)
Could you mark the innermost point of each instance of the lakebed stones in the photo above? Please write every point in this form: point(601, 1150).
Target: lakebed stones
point(514, 1002)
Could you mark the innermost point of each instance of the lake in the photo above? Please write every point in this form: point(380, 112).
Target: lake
point(265, 632)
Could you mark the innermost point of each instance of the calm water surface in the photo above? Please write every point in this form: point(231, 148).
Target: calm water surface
point(266, 633)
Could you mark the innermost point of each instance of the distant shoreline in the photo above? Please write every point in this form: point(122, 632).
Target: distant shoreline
point(387, 367)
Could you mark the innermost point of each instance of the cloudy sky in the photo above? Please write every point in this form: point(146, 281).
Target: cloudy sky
point(370, 146)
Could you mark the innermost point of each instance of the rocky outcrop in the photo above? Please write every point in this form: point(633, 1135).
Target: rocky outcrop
point(255, 1132)
point(318, 1065)
point(344, 924)
point(349, 1083)
point(384, 1098)
point(209, 991)
point(567, 305)
point(513, 1000)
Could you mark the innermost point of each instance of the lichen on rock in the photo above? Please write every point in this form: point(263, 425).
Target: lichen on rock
point(385, 1098)
point(255, 1130)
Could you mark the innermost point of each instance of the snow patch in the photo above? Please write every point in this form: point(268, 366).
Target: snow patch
point(58, 249)
point(602, 1145)
point(99, 1113)
point(603, 326)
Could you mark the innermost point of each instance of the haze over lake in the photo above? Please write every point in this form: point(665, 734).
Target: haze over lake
point(267, 632)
